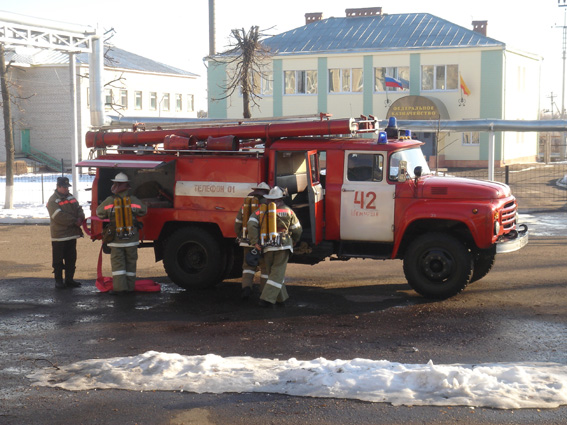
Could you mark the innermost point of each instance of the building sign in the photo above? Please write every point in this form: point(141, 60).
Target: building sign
point(418, 108)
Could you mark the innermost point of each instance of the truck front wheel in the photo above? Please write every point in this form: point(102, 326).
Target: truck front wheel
point(483, 261)
point(437, 265)
point(193, 257)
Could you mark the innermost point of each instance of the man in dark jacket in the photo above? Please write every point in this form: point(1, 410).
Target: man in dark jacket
point(65, 219)
point(122, 209)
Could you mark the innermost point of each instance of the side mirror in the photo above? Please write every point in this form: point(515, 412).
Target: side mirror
point(417, 171)
point(402, 171)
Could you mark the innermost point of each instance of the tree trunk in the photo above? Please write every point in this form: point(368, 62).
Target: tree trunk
point(9, 200)
point(246, 105)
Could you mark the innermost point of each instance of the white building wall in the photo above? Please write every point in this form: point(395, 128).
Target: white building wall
point(47, 110)
point(146, 83)
point(521, 97)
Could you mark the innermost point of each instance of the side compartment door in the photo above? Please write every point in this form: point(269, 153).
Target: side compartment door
point(367, 200)
point(315, 191)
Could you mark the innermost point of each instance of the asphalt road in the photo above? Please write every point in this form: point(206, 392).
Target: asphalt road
point(338, 310)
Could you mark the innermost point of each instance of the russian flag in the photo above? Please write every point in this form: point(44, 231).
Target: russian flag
point(393, 82)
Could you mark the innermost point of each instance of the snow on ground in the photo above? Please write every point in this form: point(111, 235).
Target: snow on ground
point(498, 385)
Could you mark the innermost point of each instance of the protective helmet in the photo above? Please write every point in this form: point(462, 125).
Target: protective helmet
point(253, 257)
point(261, 186)
point(121, 178)
point(275, 193)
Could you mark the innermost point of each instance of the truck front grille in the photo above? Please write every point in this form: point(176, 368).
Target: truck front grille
point(508, 214)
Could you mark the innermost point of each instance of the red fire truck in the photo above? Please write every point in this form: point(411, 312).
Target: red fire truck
point(358, 192)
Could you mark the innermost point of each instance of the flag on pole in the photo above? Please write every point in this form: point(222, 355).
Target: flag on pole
point(393, 82)
point(464, 87)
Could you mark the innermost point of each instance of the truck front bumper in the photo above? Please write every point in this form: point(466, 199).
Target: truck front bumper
point(513, 241)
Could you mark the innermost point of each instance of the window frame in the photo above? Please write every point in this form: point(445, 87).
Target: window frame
point(124, 98)
point(305, 82)
point(376, 167)
point(165, 102)
point(345, 79)
point(153, 101)
point(473, 136)
point(138, 100)
point(450, 78)
point(178, 102)
point(394, 72)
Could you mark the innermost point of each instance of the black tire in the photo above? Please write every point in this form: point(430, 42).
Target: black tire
point(437, 265)
point(234, 262)
point(483, 261)
point(194, 258)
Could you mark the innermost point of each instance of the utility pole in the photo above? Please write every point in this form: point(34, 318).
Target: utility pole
point(551, 97)
point(563, 3)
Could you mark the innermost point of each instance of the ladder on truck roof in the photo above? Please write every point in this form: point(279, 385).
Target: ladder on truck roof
point(261, 132)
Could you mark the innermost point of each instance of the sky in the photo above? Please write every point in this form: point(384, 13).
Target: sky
point(497, 385)
point(177, 33)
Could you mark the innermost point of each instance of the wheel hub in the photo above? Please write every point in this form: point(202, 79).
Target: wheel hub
point(437, 265)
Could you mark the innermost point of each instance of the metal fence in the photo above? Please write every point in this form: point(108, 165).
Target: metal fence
point(30, 189)
point(538, 187)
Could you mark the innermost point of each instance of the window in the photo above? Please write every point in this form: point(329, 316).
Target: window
point(396, 76)
point(345, 80)
point(138, 100)
point(165, 102)
point(439, 77)
point(108, 97)
point(263, 83)
point(124, 99)
point(153, 101)
point(471, 138)
point(178, 102)
point(365, 167)
point(190, 102)
point(300, 82)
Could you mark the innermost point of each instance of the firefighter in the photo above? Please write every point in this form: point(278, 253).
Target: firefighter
point(248, 271)
point(276, 255)
point(65, 219)
point(122, 209)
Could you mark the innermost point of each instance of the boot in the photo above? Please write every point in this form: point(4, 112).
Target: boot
point(59, 284)
point(69, 274)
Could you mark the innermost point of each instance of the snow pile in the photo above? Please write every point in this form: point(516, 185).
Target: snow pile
point(498, 385)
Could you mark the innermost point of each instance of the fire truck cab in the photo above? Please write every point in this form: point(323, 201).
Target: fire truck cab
point(357, 191)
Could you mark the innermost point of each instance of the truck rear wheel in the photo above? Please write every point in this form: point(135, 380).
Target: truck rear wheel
point(437, 265)
point(193, 257)
point(483, 261)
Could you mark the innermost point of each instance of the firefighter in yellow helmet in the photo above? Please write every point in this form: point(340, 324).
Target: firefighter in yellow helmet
point(122, 209)
point(253, 200)
point(276, 255)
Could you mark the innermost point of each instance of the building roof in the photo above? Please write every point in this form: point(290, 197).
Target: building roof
point(119, 59)
point(407, 31)
point(127, 60)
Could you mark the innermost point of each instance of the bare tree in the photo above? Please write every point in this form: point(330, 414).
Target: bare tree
point(247, 58)
point(9, 200)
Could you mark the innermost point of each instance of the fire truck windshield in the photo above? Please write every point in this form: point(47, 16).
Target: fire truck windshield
point(414, 158)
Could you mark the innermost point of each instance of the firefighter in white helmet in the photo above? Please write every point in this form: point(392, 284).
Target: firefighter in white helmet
point(276, 256)
point(122, 209)
point(249, 206)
